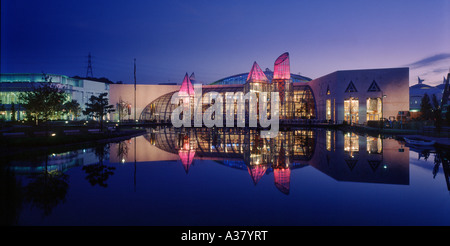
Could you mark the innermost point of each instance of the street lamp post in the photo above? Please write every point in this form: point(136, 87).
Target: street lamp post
point(382, 108)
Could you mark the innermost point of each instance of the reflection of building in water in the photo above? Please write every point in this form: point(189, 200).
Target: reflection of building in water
point(343, 156)
point(374, 145)
point(351, 144)
point(29, 164)
point(351, 157)
point(186, 151)
point(281, 171)
point(240, 148)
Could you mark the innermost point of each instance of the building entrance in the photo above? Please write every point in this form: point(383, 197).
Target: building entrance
point(351, 110)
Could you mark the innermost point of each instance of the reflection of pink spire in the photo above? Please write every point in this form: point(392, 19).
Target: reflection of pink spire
point(256, 74)
point(282, 68)
point(256, 172)
point(282, 179)
point(186, 87)
point(186, 156)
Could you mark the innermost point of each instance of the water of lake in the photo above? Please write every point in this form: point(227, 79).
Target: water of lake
point(205, 176)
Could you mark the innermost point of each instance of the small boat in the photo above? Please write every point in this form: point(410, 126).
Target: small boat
point(421, 142)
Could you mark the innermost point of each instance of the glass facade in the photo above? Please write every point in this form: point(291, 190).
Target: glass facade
point(14, 84)
point(160, 109)
point(8, 97)
point(40, 78)
point(304, 103)
point(296, 102)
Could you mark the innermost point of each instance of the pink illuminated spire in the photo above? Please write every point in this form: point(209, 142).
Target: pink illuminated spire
point(256, 74)
point(186, 87)
point(282, 68)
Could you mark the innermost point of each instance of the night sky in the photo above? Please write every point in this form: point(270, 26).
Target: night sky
point(216, 39)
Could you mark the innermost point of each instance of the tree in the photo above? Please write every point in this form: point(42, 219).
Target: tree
point(72, 108)
point(47, 189)
point(43, 102)
point(425, 107)
point(447, 115)
point(2, 112)
point(98, 107)
point(13, 112)
point(122, 108)
point(437, 112)
point(98, 174)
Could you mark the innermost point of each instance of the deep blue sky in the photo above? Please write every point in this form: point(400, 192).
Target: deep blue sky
point(216, 39)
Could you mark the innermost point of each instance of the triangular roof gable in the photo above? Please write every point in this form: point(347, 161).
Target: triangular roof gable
point(351, 87)
point(374, 87)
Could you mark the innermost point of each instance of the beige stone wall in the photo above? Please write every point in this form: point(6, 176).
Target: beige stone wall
point(145, 94)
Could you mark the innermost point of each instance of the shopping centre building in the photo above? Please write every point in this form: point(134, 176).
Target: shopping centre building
point(352, 96)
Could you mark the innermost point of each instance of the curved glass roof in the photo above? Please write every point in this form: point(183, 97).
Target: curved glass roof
point(160, 109)
point(241, 78)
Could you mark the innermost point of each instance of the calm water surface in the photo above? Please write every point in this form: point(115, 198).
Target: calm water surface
point(231, 177)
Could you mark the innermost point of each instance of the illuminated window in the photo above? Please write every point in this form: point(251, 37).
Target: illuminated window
point(351, 110)
point(328, 109)
point(374, 107)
